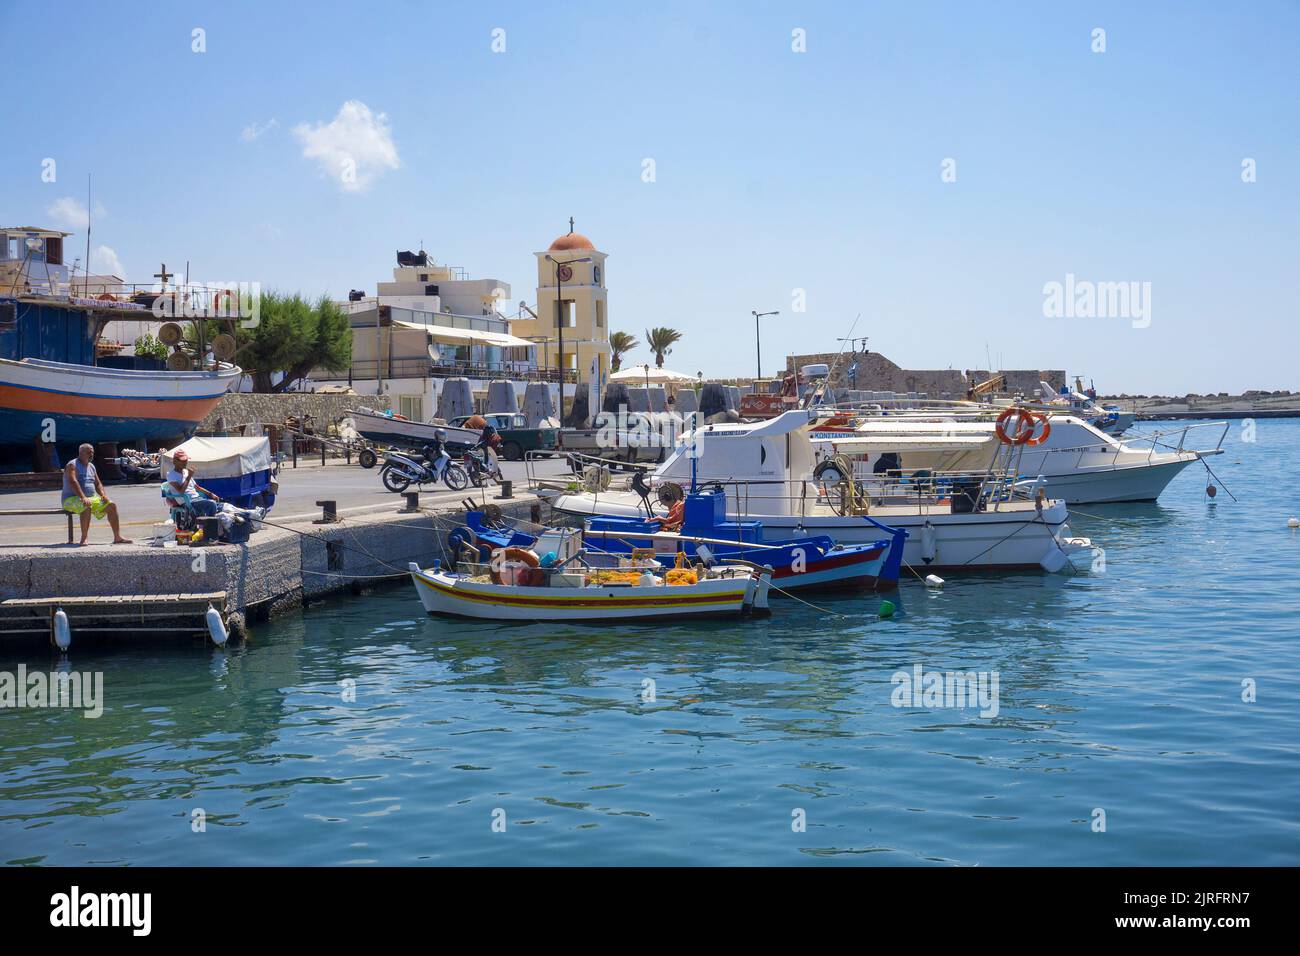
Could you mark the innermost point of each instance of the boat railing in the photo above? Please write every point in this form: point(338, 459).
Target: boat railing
point(924, 490)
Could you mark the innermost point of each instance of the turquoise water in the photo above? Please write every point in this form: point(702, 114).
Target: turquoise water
point(1119, 690)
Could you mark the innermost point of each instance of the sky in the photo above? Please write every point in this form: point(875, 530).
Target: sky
point(924, 170)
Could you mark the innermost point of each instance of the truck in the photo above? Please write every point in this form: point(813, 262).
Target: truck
point(516, 437)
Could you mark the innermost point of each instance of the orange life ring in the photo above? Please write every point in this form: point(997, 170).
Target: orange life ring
point(1047, 430)
point(1024, 426)
point(226, 294)
point(512, 554)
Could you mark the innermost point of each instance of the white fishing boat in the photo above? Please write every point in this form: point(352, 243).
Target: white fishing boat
point(975, 520)
point(392, 429)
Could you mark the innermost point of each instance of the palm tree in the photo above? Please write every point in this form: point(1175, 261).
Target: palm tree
point(660, 341)
point(620, 342)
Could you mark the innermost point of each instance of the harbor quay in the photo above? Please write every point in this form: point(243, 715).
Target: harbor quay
point(143, 589)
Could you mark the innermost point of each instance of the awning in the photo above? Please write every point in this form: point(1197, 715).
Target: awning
point(443, 333)
point(870, 444)
point(638, 375)
point(224, 457)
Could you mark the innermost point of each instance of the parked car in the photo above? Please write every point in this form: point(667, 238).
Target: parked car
point(516, 436)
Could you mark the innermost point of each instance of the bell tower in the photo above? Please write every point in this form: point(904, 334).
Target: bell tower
point(572, 306)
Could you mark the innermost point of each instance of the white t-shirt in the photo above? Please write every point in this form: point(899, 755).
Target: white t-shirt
point(179, 477)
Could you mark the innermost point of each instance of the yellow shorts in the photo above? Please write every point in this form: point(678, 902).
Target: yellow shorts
point(74, 505)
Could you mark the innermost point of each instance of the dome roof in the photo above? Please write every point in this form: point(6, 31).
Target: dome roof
point(571, 241)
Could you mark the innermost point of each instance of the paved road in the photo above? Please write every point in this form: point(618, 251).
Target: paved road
point(356, 489)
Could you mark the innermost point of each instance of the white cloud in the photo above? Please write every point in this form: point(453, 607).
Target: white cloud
point(104, 262)
point(353, 149)
point(71, 214)
point(253, 130)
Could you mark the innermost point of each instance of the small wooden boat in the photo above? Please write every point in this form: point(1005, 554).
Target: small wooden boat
point(513, 586)
point(393, 429)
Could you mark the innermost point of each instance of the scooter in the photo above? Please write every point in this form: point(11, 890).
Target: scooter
point(401, 471)
point(481, 467)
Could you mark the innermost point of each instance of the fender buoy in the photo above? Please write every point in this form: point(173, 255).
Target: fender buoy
point(62, 632)
point(216, 627)
point(1025, 423)
point(1039, 439)
point(929, 543)
point(524, 555)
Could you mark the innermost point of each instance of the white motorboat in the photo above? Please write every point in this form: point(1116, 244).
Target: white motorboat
point(391, 429)
point(955, 521)
point(1080, 463)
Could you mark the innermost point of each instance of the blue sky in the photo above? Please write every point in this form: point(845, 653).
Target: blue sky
point(775, 171)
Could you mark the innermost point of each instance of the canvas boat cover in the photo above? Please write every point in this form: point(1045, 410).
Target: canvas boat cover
point(224, 457)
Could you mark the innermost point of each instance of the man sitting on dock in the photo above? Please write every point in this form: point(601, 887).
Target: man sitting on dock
point(181, 479)
point(83, 494)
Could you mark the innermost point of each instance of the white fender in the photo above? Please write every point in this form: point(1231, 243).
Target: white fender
point(929, 543)
point(62, 631)
point(933, 581)
point(217, 627)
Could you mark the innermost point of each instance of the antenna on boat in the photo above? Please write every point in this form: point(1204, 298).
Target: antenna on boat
point(830, 374)
point(90, 211)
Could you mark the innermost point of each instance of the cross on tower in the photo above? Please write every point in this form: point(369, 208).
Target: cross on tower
point(570, 225)
point(163, 275)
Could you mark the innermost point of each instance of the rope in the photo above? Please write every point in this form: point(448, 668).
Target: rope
point(802, 601)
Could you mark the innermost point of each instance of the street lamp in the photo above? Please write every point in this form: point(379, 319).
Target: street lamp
point(757, 345)
point(560, 315)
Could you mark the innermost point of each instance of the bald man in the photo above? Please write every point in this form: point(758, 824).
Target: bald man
point(84, 495)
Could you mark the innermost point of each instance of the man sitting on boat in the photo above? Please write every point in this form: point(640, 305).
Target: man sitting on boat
point(83, 494)
point(183, 485)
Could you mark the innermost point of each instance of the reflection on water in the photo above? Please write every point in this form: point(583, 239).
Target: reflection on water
point(361, 731)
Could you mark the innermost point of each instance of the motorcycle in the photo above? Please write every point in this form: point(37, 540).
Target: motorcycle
point(481, 467)
point(401, 471)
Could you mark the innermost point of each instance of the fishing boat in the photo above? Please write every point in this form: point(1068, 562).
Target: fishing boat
point(57, 385)
point(813, 562)
point(564, 582)
point(956, 521)
point(388, 428)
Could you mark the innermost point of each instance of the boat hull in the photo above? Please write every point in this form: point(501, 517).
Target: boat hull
point(67, 403)
point(406, 433)
point(983, 541)
point(442, 593)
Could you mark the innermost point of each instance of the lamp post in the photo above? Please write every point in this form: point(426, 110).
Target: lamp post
point(758, 347)
point(560, 316)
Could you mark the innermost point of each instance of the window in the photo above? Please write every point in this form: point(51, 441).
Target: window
point(411, 406)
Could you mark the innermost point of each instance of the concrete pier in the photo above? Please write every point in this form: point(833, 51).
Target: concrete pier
point(291, 560)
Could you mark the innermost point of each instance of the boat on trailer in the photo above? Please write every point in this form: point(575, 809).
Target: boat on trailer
point(579, 586)
point(388, 428)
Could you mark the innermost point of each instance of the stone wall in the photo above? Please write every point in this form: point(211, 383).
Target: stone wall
point(243, 408)
point(877, 373)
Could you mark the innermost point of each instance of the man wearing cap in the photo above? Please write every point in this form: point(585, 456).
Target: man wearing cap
point(181, 478)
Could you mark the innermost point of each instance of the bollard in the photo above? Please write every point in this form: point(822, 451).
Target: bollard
point(412, 501)
point(329, 512)
point(506, 491)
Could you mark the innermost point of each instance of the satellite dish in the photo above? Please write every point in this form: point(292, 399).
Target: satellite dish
point(170, 333)
point(223, 347)
point(180, 362)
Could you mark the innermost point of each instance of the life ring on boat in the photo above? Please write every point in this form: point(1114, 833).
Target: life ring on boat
point(227, 295)
point(524, 555)
point(1024, 425)
point(1039, 439)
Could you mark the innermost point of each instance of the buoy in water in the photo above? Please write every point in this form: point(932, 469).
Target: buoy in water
point(62, 631)
point(1211, 490)
point(933, 581)
point(1293, 522)
point(217, 627)
point(886, 609)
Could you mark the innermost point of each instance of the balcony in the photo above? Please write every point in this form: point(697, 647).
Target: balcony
point(364, 370)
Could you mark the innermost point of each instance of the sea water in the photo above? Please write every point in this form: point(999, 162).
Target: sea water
point(1143, 711)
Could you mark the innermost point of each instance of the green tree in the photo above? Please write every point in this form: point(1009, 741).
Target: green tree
point(661, 341)
point(621, 343)
point(148, 345)
point(293, 336)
